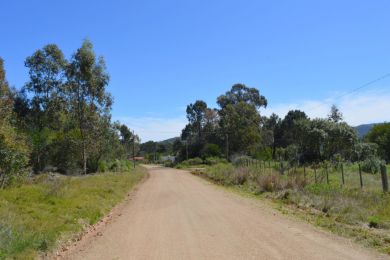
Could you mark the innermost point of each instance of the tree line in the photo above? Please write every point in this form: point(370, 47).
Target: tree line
point(60, 120)
point(236, 128)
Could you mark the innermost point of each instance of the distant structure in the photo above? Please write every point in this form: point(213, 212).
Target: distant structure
point(166, 158)
point(137, 158)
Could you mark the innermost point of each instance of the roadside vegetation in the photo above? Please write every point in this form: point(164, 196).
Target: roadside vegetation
point(197, 163)
point(49, 208)
point(316, 168)
point(56, 133)
point(60, 119)
point(348, 210)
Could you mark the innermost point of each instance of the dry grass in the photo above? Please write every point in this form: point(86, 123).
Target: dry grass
point(346, 210)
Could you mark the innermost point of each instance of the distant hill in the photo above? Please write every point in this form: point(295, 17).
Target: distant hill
point(362, 130)
point(169, 141)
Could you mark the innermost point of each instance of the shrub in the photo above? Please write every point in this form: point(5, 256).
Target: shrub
point(371, 165)
point(117, 166)
point(220, 172)
point(373, 222)
point(103, 166)
point(238, 176)
point(169, 164)
point(193, 161)
point(211, 150)
point(292, 153)
point(269, 183)
point(264, 154)
point(298, 183)
point(214, 160)
point(240, 159)
point(13, 161)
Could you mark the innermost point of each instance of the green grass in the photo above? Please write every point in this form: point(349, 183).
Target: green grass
point(186, 166)
point(35, 216)
point(198, 163)
point(363, 215)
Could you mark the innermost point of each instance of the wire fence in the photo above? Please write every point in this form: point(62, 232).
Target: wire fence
point(345, 175)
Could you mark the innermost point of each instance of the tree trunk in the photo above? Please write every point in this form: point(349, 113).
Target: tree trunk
point(2, 181)
point(273, 151)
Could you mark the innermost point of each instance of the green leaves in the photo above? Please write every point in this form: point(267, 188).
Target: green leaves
point(241, 93)
point(380, 134)
point(13, 148)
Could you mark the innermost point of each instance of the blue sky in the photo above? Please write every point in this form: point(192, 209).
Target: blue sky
point(162, 55)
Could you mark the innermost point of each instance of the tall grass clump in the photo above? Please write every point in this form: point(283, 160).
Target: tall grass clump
point(220, 172)
point(115, 166)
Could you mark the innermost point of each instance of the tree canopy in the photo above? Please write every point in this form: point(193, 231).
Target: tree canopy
point(14, 151)
point(380, 135)
point(60, 120)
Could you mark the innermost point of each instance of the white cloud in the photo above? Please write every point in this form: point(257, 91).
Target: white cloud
point(359, 108)
point(155, 128)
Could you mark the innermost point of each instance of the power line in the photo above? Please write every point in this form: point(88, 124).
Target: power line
point(367, 84)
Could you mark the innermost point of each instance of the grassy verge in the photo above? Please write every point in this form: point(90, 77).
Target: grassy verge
point(363, 215)
point(197, 163)
point(34, 216)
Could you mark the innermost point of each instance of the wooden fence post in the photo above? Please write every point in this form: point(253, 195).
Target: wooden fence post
point(385, 182)
point(360, 176)
point(281, 168)
point(304, 172)
point(342, 174)
point(315, 175)
point(327, 174)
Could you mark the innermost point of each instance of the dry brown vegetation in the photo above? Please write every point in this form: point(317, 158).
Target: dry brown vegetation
point(363, 214)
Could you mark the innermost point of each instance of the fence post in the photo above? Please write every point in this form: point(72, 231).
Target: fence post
point(263, 166)
point(304, 172)
point(342, 174)
point(360, 176)
point(260, 166)
point(385, 182)
point(315, 175)
point(327, 174)
point(281, 168)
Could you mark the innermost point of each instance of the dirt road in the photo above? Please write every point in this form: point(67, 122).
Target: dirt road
point(175, 215)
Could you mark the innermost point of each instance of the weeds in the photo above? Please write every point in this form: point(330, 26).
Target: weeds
point(269, 183)
point(346, 210)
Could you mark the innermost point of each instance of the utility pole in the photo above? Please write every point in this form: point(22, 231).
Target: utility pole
point(133, 149)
